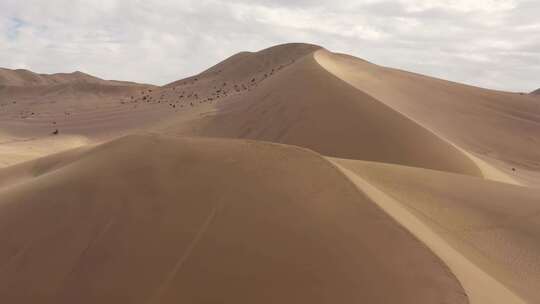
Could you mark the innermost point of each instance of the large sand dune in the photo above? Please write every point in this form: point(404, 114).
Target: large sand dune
point(493, 225)
point(413, 190)
point(306, 103)
point(500, 128)
point(148, 219)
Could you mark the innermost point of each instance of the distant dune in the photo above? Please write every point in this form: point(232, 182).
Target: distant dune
point(290, 175)
point(22, 77)
point(537, 92)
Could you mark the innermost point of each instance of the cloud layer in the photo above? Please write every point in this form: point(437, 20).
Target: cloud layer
point(490, 43)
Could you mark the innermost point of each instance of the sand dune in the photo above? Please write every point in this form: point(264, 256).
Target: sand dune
point(493, 225)
point(333, 104)
point(34, 105)
point(412, 186)
point(20, 77)
point(80, 107)
point(148, 219)
point(13, 151)
point(498, 127)
point(244, 65)
point(305, 105)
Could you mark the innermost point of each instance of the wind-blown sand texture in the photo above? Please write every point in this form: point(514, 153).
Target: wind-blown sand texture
point(290, 175)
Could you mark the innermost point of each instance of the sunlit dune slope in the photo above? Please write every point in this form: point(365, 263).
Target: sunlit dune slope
point(151, 219)
point(305, 105)
point(303, 95)
point(500, 128)
point(493, 225)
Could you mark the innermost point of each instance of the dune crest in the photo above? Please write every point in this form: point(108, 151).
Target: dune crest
point(151, 219)
point(496, 129)
point(483, 230)
point(302, 103)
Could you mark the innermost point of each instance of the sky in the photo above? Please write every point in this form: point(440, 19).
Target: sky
point(488, 43)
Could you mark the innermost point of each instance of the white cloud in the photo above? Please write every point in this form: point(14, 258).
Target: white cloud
point(493, 43)
point(466, 6)
point(311, 20)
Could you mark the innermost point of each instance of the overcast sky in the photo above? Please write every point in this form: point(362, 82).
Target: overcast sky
point(490, 43)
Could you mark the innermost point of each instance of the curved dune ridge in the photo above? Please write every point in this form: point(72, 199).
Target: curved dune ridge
point(289, 175)
point(498, 128)
point(306, 103)
point(491, 227)
point(149, 219)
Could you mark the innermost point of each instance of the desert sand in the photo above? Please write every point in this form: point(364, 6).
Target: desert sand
point(290, 175)
point(490, 225)
point(151, 219)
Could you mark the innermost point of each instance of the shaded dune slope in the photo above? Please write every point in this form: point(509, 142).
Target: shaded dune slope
point(499, 127)
point(150, 219)
point(307, 106)
point(493, 225)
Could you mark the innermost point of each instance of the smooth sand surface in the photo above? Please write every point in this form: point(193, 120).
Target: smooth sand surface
point(500, 128)
point(494, 226)
point(151, 219)
point(14, 150)
point(305, 105)
point(79, 107)
point(197, 206)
